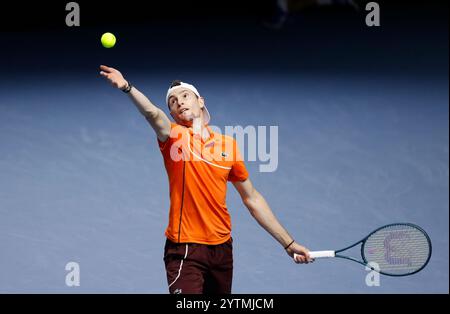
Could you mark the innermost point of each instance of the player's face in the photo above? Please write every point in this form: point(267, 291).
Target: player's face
point(184, 106)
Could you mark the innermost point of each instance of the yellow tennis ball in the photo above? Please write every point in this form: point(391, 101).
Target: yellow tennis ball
point(108, 40)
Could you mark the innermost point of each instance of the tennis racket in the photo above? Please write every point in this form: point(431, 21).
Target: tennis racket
point(399, 249)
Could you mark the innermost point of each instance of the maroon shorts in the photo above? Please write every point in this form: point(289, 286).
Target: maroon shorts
point(199, 268)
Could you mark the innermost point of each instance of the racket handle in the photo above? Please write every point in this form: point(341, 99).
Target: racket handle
point(321, 254)
point(318, 254)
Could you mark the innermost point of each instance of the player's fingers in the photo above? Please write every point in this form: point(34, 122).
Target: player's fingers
point(106, 68)
point(299, 259)
point(102, 73)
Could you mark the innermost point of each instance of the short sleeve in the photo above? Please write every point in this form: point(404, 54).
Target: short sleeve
point(165, 146)
point(238, 170)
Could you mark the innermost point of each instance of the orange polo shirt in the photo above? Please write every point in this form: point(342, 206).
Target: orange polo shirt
point(198, 172)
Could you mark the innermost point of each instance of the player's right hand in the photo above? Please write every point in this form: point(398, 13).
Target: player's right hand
point(299, 253)
point(114, 77)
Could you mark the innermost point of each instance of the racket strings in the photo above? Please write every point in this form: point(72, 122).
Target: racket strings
point(397, 249)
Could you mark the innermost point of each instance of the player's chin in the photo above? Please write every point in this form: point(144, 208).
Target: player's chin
point(184, 120)
point(186, 116)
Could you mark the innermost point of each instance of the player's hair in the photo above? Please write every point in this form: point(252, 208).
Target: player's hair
point(175, 83)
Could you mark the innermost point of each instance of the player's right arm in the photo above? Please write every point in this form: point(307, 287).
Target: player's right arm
point(154, 115)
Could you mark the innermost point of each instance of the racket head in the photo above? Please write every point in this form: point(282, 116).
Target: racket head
point(399, 249)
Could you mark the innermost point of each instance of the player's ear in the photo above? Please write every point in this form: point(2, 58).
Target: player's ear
point(201, 102)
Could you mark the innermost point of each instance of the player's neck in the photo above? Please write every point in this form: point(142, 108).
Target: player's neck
point(199, 128)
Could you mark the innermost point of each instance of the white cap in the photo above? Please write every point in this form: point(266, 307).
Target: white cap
point(206, 115)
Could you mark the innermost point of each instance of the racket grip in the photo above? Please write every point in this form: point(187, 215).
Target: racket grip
point(321, 254)
point(318, 254)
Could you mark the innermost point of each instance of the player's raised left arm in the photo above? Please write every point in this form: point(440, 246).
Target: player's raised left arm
point(261, 211)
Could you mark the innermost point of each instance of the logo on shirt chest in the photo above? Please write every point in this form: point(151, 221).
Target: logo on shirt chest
point(223, 154)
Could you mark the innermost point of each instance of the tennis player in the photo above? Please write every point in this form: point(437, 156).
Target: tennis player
point(198, 253)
